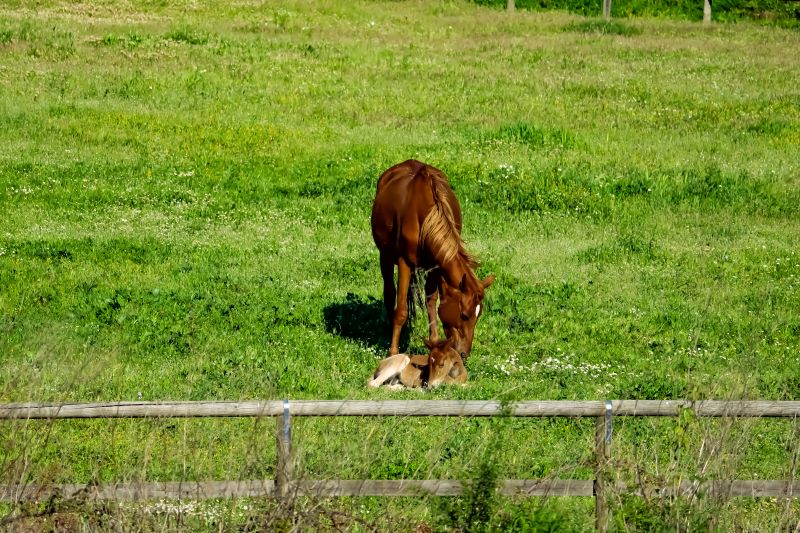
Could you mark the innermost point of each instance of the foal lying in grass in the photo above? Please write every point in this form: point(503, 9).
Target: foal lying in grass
point(443, 365)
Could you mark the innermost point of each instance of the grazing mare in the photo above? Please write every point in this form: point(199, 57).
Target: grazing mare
point(416, 224)
point(443, 365)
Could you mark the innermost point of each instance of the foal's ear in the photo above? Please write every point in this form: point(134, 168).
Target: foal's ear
point(429, 344)
point(488, 280)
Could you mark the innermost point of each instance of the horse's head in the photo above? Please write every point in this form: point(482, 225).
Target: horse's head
point(443, 362)
point(459, 310)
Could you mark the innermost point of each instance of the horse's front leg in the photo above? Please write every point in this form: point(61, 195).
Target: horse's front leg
point(431, 299)
point(401, 305)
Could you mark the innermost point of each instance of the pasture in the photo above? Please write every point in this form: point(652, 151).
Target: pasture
point(185, 192)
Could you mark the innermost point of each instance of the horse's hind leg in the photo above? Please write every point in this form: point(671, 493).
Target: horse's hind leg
point(431, 299)
point(387, 271)
point(401, 306)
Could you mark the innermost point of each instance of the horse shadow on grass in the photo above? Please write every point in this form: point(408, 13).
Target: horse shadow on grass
point(361, 319)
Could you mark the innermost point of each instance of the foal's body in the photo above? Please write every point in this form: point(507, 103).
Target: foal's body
point(399, 371)
point(443, 365)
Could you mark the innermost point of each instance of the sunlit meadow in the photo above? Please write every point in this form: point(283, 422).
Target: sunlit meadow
point(185, 191)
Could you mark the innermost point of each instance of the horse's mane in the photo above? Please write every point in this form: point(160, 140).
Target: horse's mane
point(439, 235)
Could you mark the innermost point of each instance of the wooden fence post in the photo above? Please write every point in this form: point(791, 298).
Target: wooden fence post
point(606, 9)
point(602, 450)
point(510, 5)
point(706, 11)
point(285, 467)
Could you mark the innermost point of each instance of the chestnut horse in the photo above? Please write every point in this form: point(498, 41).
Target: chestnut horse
point(416, 224)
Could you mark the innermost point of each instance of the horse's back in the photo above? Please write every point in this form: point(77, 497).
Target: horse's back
point(404, 188)
point(405, 171)
point(403, 198)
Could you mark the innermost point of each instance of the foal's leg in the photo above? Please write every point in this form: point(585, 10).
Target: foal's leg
point(387, 271)
point(388, 368)
point(431, 299)
point(401, 307)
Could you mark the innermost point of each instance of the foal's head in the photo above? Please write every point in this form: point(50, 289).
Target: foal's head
point(443, 362)
point(459, 310)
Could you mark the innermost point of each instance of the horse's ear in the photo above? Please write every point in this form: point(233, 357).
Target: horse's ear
point(450, 342)
point(430, 344)
point(488, 280)
point(463, 285)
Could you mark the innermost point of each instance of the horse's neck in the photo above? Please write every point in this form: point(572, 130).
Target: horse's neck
point(454, 271)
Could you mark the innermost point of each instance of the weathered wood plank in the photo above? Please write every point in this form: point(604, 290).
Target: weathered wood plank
point(141, 410)
point(602, 453)
point(547, 487)
point(735, 488)
point(176, 490)
point(380, 487)
point(707, 408)
point(285, 469)
point(331, 488)
point(470, 408)
point(444, 487)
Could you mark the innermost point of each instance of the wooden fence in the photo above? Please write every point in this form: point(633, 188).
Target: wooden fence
point(510, 6)
point(284, 486)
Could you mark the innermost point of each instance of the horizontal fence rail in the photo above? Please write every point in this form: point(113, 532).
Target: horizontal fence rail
point(705, 408)
point(200, 490)
point(285, 486)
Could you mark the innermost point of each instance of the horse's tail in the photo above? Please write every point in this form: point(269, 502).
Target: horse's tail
point(439, 235)
point(415, 298)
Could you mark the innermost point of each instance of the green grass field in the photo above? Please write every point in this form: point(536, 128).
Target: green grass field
point(185, 192)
